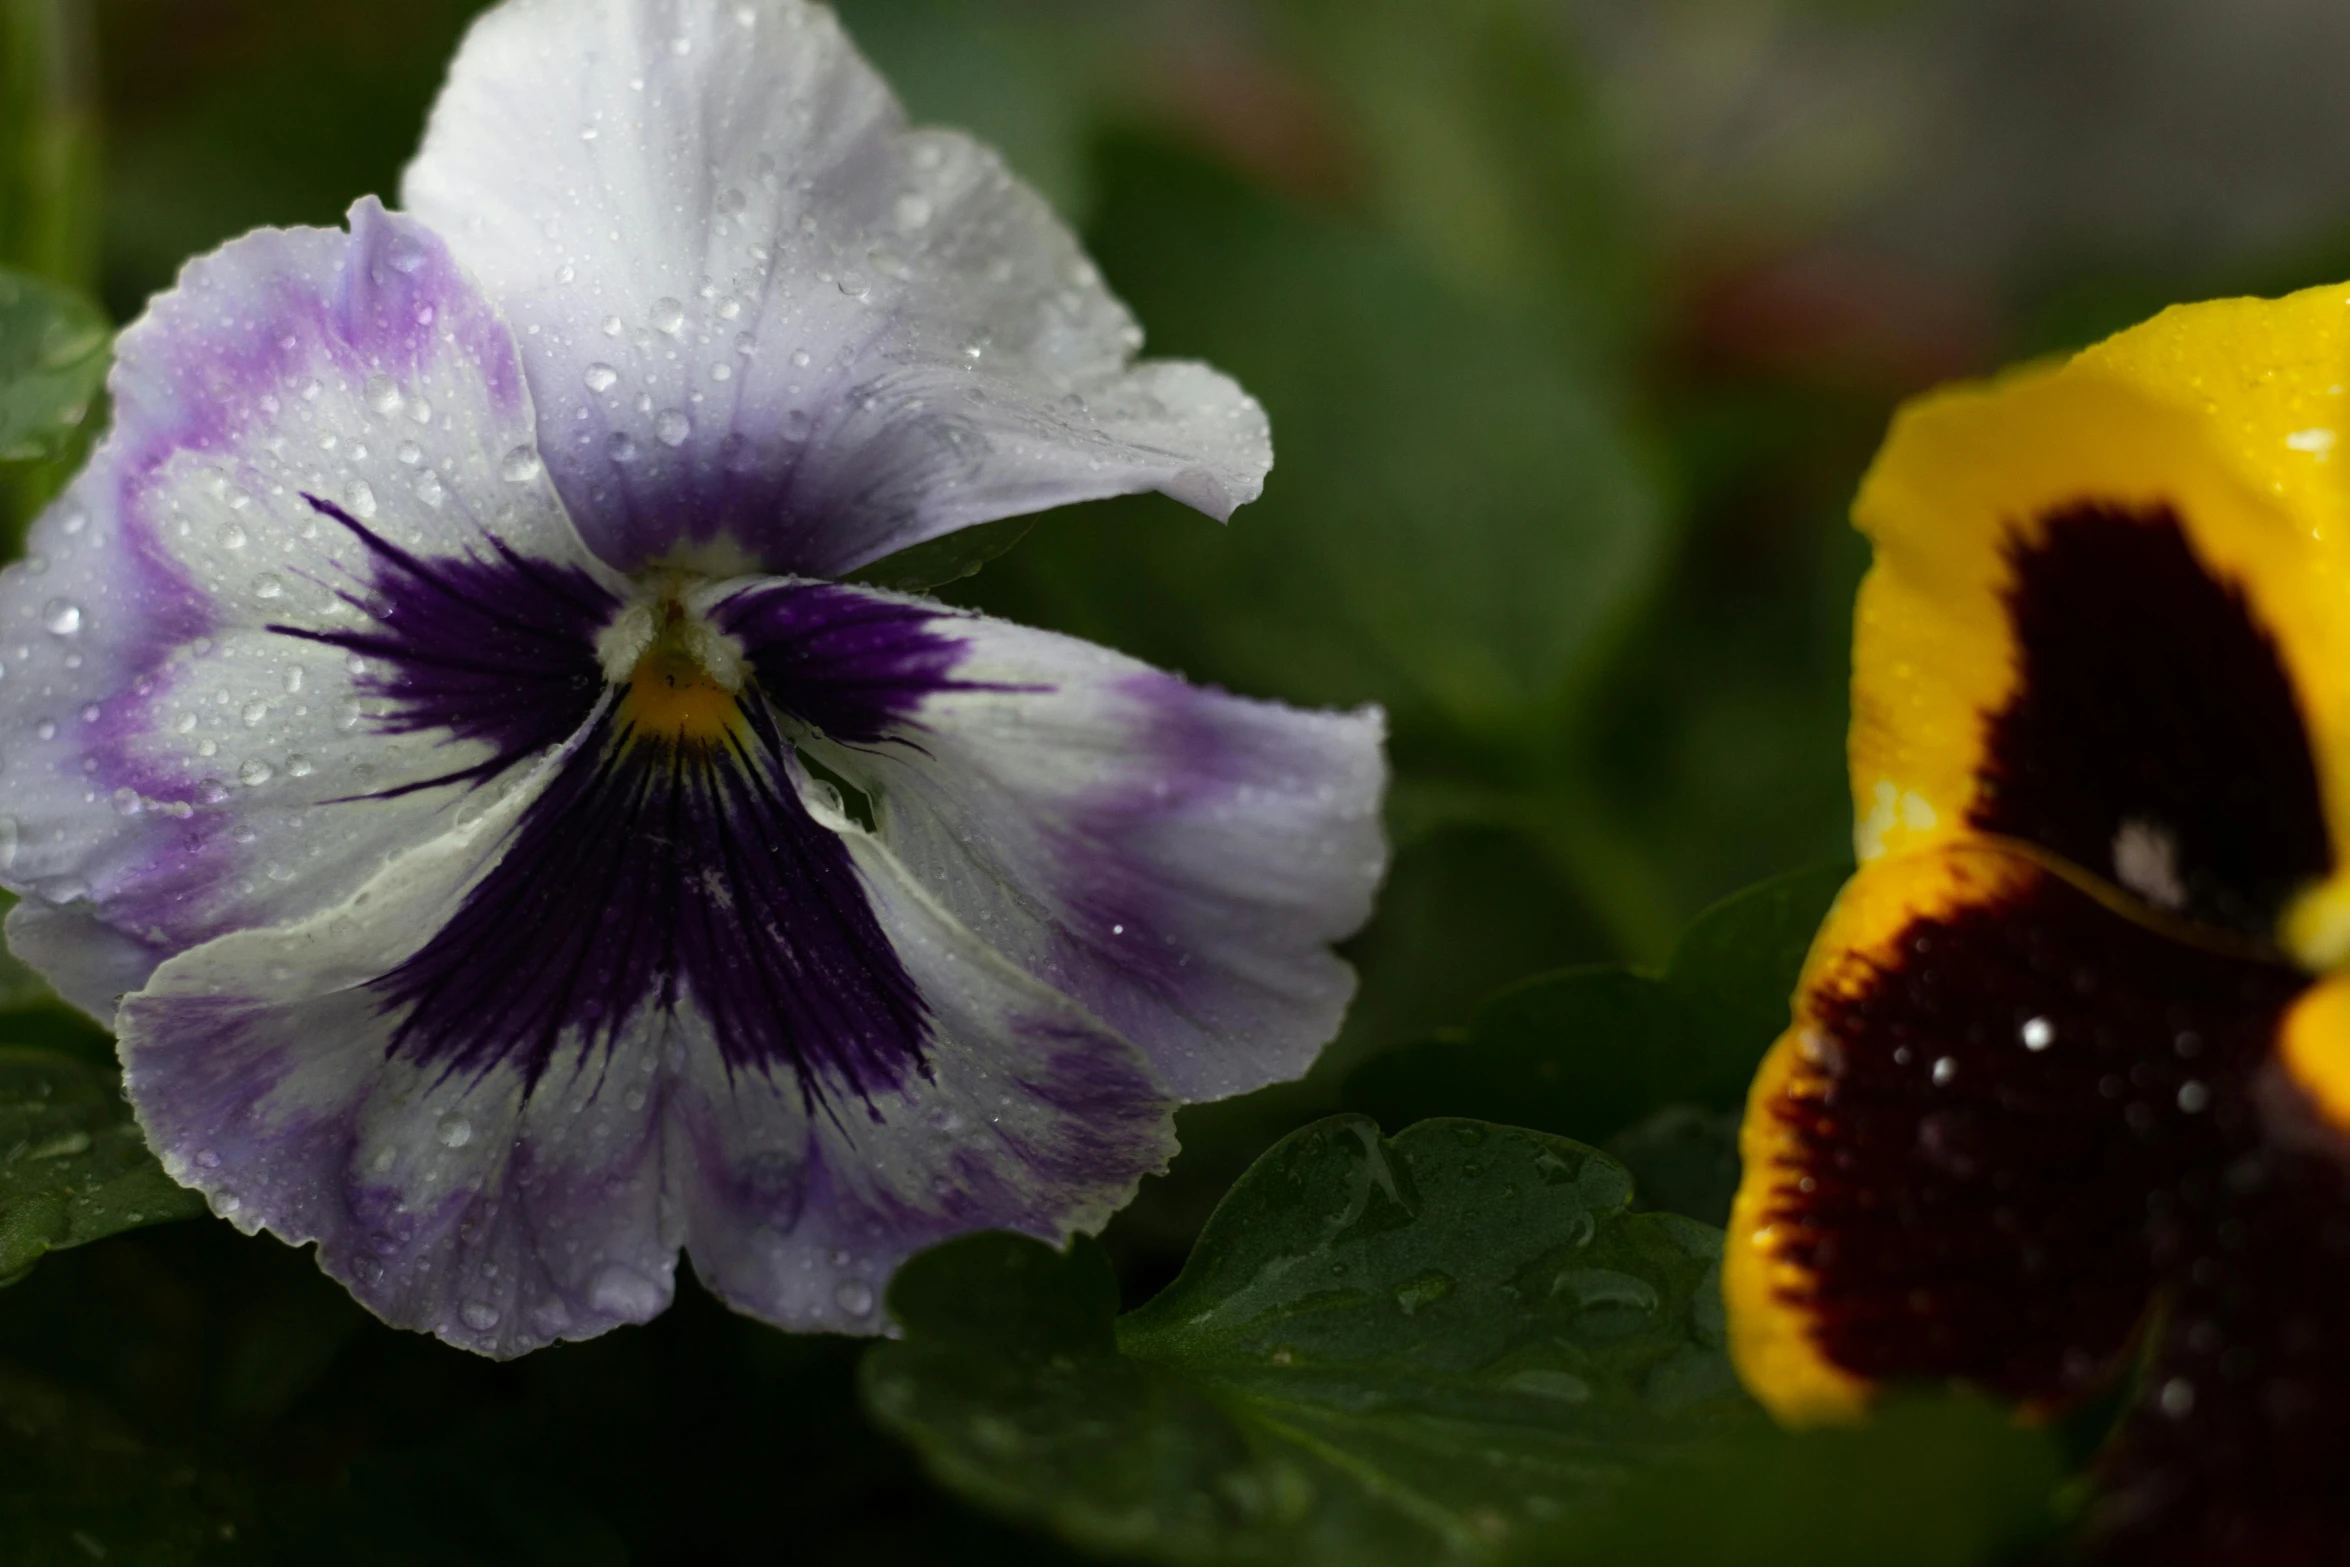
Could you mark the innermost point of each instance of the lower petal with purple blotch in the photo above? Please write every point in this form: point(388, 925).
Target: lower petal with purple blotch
point(1032, 1117)
point(649, 998)
point(1176, 859)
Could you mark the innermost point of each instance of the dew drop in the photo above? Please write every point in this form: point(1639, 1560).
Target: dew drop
point(362, 500)
point(383, 395)
point(299, 766)
point(2038, 1034)
point(620, 1291)
point(601, 377)
point(913, 212)
point(128, 803)
point(62, 617)
point(409, 453)
point(521, 465)
point(799, 358)
point(46, 729)
point(621, 447)
point(479, 1315)
point(855, 1298)
point(669, 316)
point(267, 586)
point(455, 1131)
point(208, 1159)
point(854, 284)
point(797, 424)
point(212, 792)
point(252, 713)
point(429, 489)
point(732, 202)
point(673, 427)
point(1945, 1069)
point(614, 326)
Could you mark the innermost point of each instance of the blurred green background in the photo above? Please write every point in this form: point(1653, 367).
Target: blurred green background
point(1577, 321)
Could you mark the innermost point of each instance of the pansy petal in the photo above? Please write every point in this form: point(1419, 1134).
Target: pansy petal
point(2280, 423)
point(2003, 1115)
point(504, 1199)
point(260, 1065)
point(1031, 1116)
point(2085, 633)
point(2232, 1452)
point(763, 318)
point(312, 429)
point(1175, 859)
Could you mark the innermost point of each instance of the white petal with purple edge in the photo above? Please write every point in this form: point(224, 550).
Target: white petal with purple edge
point(445, 1201)
point(1176, 859)
point(455, 1202)
point(763, 317)
point(176, 739)
point(1032, 1117)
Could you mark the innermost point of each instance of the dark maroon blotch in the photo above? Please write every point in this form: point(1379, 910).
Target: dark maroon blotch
point(2151, 700)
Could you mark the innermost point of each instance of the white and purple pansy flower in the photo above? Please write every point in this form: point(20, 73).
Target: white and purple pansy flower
point(436, 734)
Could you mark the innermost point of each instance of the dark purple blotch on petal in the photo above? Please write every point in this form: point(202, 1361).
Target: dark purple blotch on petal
point(649, 875)
point(849, 664)
point(499, 649)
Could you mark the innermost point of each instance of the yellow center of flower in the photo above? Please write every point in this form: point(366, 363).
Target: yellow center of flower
point(674, 693)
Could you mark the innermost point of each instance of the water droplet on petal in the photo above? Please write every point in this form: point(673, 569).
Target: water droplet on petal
point(479, 1315)
point(362, 500)
point(128, 803)
point(267, 586)
point(731, 202)
point(601, 377)
point(63, 617)
point(854, 284)
point(455, 1131)
point(673, 427)
point(429, 489)
point(855, 1298)
point(409, 453)
point(799, 358)
point(621, 447)
point(383, 395)
point(256, 773)
point(613, 326)
point(253, 713)
point(669, 316)
point(521, 465)
point(913, 211)
point(620, 1291)
point(299, 766)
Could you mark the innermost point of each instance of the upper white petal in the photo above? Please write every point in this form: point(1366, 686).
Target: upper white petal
point(756, 309)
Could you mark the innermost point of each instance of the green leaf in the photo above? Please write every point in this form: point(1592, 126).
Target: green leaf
point(1486, 151)
point(1395, 1351)
point(74, 1166)
point(1459, 519)
point(937, 562)
point(1589, 1052)
point(54, 349)
point(1942, 1483)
